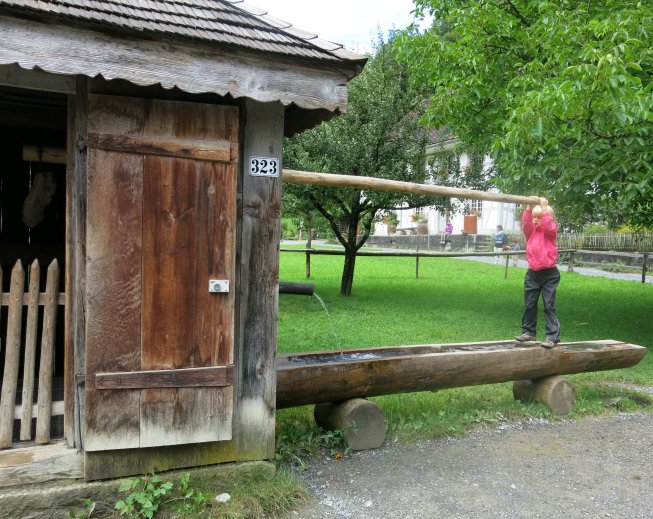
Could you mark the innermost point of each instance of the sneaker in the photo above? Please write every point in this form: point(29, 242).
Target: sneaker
point(524, 337)
point(548, 344)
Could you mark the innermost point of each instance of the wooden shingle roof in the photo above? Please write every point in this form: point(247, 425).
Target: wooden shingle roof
point(225, 47)
point(230, 22)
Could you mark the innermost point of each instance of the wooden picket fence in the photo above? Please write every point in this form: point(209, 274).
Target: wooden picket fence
point(16, 300)
point(613, 241)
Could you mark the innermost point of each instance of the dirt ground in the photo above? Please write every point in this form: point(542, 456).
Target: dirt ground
point(596, 467)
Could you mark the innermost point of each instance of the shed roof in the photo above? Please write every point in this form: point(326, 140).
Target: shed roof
point(217, 46)
point(231, 22)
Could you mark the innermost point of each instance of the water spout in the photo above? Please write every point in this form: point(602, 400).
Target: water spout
point(333, 328)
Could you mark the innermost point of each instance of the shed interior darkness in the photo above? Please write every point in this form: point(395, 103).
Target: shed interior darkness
point(39, 119)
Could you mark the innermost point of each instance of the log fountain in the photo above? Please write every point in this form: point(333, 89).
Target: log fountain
point(340, 381)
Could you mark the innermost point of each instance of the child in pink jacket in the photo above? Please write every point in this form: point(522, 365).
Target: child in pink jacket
point(542, 277)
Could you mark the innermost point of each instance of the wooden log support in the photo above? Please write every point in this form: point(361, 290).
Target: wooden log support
point(557, 393)
point(363, 423)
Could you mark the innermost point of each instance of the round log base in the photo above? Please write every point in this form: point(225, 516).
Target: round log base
point(557, 393)
point(362, 422)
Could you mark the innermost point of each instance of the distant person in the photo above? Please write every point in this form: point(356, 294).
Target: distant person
point(542, 277)
point(500, 240)
point(445, 237)
point(514, 246)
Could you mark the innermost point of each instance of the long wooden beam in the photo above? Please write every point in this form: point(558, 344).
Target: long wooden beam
point(395, 186)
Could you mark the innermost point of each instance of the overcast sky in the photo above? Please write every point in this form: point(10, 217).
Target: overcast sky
point(352, 22)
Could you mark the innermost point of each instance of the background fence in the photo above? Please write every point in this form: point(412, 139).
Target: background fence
point(625, 242)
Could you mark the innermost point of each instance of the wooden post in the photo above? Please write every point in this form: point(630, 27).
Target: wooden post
point(258, 270)
point(12, 355)
point(30, 352)
point(308, 265)
point(363, 423)
point(570, 267)
point(75, 272)
point(644, 267)
point(505, 276)
point(416, 267)
point(557, 393)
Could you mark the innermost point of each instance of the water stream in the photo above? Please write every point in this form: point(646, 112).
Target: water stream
point(338, 340)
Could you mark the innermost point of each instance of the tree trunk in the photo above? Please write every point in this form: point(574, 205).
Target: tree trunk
point(348, 272)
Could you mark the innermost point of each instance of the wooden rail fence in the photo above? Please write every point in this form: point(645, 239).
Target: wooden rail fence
point(418, 254)
point(16, 300)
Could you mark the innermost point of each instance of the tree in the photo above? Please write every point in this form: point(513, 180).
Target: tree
point(558, 91)
point(379, 136)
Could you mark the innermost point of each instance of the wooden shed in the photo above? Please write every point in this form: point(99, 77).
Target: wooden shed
point(141, 149)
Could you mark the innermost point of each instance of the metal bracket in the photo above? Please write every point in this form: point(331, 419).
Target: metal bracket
point(218, 285)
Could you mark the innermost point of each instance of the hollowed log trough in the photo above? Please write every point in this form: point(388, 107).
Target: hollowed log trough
point(339, 381)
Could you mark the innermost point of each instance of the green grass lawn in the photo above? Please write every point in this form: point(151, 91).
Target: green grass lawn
point(455, 300)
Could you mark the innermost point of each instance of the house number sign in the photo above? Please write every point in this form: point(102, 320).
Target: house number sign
point(264, 167)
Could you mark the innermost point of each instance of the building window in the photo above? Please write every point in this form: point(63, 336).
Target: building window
point(475, 207)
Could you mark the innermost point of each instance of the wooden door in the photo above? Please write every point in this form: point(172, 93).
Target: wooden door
point(160, 225)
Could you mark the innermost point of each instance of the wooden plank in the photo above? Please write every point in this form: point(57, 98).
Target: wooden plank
point(44, 402)
point(396, 186)
point(198, 149)
point(38, 464)
point(29, 363)
point(56, 410)
point(112, 464)
point(191, 377)
point(12, 355)
point(113, 275)
point(15, 76)
point(177, 416)
point(189, 222)
point(169, 213)
point(40, 299)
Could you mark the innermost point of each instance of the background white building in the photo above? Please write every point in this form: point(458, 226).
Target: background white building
point(489, 213)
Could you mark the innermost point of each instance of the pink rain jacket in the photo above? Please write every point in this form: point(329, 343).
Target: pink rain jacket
point(541, 250)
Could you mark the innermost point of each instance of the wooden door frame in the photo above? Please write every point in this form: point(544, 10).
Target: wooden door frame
point(75, 338)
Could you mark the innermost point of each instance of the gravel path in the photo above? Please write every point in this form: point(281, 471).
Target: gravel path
point(597, 467)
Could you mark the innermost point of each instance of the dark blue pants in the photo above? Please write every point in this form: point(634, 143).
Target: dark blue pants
point(543, 282)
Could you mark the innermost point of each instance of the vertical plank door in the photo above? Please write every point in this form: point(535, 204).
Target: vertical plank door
point(161, 221)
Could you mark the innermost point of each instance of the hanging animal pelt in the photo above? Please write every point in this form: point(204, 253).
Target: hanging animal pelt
point(44, 185)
